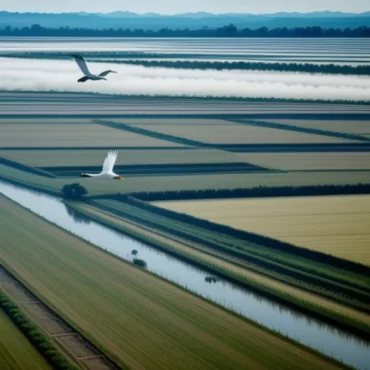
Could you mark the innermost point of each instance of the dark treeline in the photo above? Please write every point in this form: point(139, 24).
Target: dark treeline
point(257, 192)
point(226, 31)
point(285, 67)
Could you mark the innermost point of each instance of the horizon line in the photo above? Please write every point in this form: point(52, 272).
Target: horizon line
point(183, 13)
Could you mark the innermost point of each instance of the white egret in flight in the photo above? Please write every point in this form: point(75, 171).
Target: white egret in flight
point(87, 74)
point(107, 171)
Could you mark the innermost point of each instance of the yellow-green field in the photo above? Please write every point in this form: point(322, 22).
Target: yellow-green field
point(309, 161)
point(16, 352)
point(347, 127)
point(71, 135)
point(53, 158)
point(142, 320)
point(337, 225)
point(239, 134)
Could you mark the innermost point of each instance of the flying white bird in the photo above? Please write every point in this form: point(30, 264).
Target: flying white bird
point(107, 171)
point(87, 74)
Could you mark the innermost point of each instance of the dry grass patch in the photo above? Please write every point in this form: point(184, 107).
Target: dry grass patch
point(142, 320)
point(16, 352)
point(337, 225)
point(309, 161)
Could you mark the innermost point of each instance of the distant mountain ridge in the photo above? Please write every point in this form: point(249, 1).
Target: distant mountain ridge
point(197, 20)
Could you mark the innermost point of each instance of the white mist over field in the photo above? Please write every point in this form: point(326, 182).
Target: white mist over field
point(62, 75)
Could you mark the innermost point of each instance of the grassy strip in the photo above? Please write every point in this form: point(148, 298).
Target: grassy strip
point(344, 322)
point(16, 351)
point(272, 267)
point(23, 167)
point(41, 341)
point(247, 66)
point(315, 131)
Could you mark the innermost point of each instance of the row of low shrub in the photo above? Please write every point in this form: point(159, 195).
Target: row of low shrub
point(40, 340)
point(242, 65)
point(256, 192)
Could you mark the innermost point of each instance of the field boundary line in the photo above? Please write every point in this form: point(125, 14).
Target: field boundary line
point(25, 168)
point(313, 131)
point(153, 134)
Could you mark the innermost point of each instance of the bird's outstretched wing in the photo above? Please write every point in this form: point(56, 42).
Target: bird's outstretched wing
point(82, 64)
point(109, 161)
point(106, 73)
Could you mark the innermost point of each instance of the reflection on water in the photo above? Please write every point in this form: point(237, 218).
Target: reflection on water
point(79, 217)
point(309, 331)
point(211, 279)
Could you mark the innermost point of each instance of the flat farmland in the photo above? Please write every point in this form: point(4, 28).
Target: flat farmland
point(87, 157)
point(309, 161)
point(347, 127)
point(71, 135)
point(240, 134)
point(189, 182)
point(142, 320)
point(336, 225)
point(16, 352)
point(173, 121)
point(45, 121)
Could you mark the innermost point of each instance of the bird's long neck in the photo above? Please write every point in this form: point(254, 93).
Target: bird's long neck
point(89, 175)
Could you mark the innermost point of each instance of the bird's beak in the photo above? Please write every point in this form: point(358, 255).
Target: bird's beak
point(118, 178)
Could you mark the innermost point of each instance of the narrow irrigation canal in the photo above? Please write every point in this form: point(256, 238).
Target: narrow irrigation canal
point(302, 328)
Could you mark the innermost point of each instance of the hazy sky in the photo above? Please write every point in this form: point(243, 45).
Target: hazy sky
point(171, 6)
